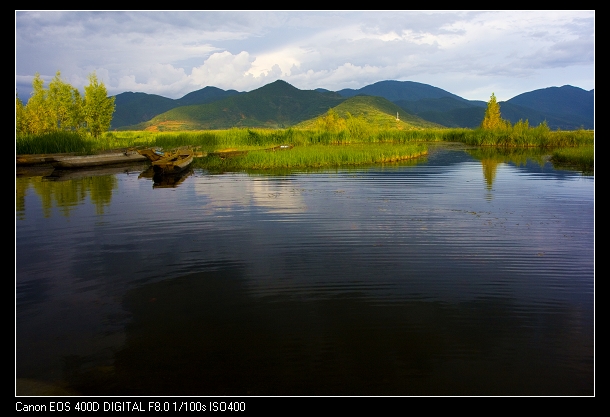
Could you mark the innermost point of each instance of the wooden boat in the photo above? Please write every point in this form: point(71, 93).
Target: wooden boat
point(38, 159)
point(153, 154)
point(33, 171)
point(231, 153)
point(174, 163)
point(86, 161)
point(74, 174)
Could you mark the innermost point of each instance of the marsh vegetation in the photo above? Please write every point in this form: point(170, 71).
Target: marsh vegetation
point(316, 143)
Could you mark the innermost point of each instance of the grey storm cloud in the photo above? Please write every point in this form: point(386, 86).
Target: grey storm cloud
point(172, 53)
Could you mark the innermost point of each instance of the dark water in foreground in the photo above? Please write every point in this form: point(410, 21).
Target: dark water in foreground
point(454, 276)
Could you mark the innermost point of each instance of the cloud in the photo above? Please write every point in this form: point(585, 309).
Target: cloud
point(173, 53)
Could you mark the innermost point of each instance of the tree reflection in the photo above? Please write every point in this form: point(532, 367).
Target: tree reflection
point(67, 194)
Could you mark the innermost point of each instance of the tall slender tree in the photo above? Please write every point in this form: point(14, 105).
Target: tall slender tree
point(98, 107)
point(492, 119)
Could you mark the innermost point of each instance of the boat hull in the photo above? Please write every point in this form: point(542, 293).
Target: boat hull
point(86, 161)
point(173, 164)
point(152, 154)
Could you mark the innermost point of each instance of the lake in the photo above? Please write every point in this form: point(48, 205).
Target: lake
point(462, 273)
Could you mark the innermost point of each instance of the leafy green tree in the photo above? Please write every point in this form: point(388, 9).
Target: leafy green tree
point(20, 118)
point(65, 104)
point(37, 111)
point(98, 107)
point(492, 119)
point(61, 108)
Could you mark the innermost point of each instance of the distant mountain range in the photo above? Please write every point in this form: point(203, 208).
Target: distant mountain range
point(134, 108)
point(280, 105)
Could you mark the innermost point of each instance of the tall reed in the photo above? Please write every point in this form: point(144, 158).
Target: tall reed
point(521, 135)
point(581, 158)
point(316, 156)
point(54, 142)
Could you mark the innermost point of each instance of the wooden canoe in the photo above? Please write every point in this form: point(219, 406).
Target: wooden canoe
point(86, 161)
point(153, 154)
point(231, 153)
point(175, 163)
point(76, 174)
point(38, 159)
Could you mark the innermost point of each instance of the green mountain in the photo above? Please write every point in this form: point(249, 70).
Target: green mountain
point(133, 108)
point(376, 111)
point(427, 102)
point(514, 113)
point(279, 104)
point(400, 90)
point(446, 111)
point(274, 105)
point(206, 95)
point(558, 100)
point(564, 107)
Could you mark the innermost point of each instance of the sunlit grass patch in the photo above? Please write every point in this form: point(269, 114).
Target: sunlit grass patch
point(56, 142)
point(316, 156)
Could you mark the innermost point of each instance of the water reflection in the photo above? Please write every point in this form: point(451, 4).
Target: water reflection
point(276, 195)
point(491, 158)
point(378, 280)
point(205, 333)
point(161, 180)
point(65, 195)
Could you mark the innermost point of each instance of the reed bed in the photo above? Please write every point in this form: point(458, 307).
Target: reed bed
point(582, 158)
point(247, 139)
point(315, 145)
point(56, 142)
point(521, 136)
point(518, 156)
point(315, 156)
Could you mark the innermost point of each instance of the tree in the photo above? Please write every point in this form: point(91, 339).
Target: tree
point(492, 119)
point(61, 108)
point(37, 111)
point(97, 107)
point(65, 104)
point(20, 117)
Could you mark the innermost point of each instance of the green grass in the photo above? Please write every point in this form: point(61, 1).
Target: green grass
point(570, 148)
point(315, 156)
point(250, 139)
point(57, 142)
point(372, 114)
point(581, 158)
point(519, 136)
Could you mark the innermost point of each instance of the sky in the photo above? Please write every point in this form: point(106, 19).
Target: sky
point(172, 53)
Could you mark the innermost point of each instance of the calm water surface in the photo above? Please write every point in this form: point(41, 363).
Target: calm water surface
point(457, 275)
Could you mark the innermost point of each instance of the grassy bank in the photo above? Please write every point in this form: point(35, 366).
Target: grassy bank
point(316, 147)
point(521, 136)
point(315, 156)
point(246, 139)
